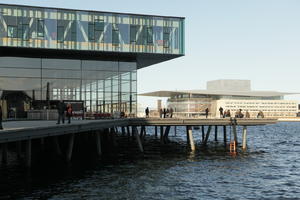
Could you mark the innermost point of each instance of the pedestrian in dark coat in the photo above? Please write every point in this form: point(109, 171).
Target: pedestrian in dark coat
point(165, 113)
point(221, 112)
point(206, 112)
point(69, 112)
point(147, 112)
point(1, 127)
point(61, 108)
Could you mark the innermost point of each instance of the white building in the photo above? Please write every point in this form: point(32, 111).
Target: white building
point(230, 95)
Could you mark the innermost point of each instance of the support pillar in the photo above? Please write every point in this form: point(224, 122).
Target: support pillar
point(155, 131)
point(98, 142)
point(28, 153)
point(56, 146)
point(175, 130)
point(234, 134)
point(216, 133)
point(191, 139)
point(70, 147)
point(161, 134)
point(138, 138)
point(4, 153)
point(202, 128)
point(244, 138)
point(207, 135)
point(123, 130)
point(19, 149)
point(166, 134)
point(225, 135)
point(128, 131)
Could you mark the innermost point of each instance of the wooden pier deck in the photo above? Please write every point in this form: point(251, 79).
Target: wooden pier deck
point(22, 133)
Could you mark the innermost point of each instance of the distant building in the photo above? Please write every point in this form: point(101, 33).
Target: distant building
point(230, 95)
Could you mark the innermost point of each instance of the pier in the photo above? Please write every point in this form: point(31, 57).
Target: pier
point(21, 136)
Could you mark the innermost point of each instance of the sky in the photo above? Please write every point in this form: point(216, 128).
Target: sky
point(257, 40)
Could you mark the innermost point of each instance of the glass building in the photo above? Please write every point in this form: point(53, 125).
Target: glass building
point(89, 56)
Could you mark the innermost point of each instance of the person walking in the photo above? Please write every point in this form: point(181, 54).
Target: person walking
point(206, 112)
point(160, 113)
point(221, 112)
point(147, 112)
point(1, 127)
point(165, 113)
point(69, 112)
point(171, 112)
point(61, 108)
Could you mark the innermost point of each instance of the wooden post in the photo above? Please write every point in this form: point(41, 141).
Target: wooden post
point(138, 138)
point(123, 130)
point(234, 134)
point(19, 149)
point(175, 130)
point(70, 147)
point(28, 153)
point(216, 133)
point(191, 139)
point(202, 127)
point(161, 134)
point(4, 153)
point(244, 138)
point(207, 135)
point(187, 135)
point(155, 131)
point(56, 146)
point(128, 131)
point(165, 138)
point(224, 136)
point(98, 142)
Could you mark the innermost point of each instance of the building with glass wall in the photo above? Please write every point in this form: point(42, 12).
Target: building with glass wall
point(60, 54)
point(231, 95)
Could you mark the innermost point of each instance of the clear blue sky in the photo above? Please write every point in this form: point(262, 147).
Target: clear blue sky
point(257, 40)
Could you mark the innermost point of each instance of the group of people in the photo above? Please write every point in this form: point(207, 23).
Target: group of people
point(165, 113)
point(62, 109)
point(238, 114)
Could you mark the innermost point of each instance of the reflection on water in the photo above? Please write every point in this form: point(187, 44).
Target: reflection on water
point(268, 170)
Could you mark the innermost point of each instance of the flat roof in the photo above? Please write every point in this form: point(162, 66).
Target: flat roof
point(169, 93)
point(69, 9)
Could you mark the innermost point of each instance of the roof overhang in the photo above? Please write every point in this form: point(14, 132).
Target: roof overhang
point(142, 59)
point(169, 93)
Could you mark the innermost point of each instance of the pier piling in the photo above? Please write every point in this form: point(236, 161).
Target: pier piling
point(190, 138)
point(28, 153)
point(70, 147)
point(216, 133)
point(244, 147)
point(98, 142)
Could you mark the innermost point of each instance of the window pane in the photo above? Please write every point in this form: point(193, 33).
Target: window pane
point(12, 31)
point(40, 28)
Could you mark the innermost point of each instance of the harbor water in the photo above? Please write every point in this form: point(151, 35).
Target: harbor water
point(270, 169)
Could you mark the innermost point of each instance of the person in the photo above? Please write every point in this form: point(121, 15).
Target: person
point(165, 113)
point(171, 112)
point(61, 107)
point(69, 112)
point(247, 114)
point(147, 112)
point(206, 112)
point(1, 127)
point(221, 112)
point(160, 113)
point(168, 112)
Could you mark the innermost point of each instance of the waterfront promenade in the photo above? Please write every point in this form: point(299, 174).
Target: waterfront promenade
point(20, 135)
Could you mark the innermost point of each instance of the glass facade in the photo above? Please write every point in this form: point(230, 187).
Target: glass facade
point(104, 86)
point(50, 28)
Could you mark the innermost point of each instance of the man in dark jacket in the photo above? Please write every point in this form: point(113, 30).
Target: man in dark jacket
point(1, 127)
point(61, 108)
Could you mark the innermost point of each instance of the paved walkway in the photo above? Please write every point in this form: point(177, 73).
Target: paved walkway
point(15, 125)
